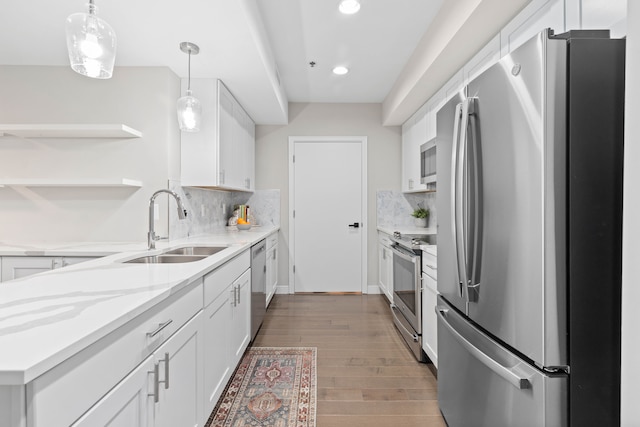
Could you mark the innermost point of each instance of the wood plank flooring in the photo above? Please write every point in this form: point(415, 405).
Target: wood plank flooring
point(366, 374)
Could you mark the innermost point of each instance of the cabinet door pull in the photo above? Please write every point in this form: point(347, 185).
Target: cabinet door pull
point(166, 371)
point(233, 299)
point(160, 327)
point(238, 287)
point(156, 384)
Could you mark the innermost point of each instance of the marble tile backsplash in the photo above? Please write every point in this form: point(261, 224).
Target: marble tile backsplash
point(210, 209)
point(394, 208)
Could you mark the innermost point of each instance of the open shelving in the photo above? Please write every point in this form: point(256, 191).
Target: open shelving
point(44, 182)
point(69, 131)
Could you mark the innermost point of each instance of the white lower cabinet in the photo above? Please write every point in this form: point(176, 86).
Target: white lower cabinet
point(166, 367)
point(164, 390)
point(241, 316)
point(385, 266)
point(429, 300)
point(101, 380)
point(128, 404)
point(218, 368)
point(227, 322)
point(429, 319)
point(177, 380)
point(16, 267)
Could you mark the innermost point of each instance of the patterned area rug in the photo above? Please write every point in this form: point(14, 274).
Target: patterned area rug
point(272, 387)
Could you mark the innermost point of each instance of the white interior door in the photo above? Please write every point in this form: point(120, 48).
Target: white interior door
point(328, 211)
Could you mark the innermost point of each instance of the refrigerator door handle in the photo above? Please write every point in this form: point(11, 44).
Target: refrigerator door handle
point(473, 255)
point(461, 201)
point(454, 194)
point(505, 372)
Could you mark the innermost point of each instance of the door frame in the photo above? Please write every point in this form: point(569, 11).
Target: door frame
point(364, 220)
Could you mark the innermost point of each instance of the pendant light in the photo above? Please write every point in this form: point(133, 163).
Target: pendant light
point(189, 108)
point(91, 43)
point(349, 7)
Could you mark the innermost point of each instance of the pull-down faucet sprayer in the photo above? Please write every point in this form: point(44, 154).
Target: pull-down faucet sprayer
point(182, 214)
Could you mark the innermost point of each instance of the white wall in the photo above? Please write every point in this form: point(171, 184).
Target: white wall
point(143, 98)
point(630, 415)
point(384, 161)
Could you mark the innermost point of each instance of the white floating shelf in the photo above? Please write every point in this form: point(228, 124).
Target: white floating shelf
point(69, 131)
point(124, 182)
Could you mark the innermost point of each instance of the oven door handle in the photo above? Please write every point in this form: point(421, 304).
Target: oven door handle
point(399, 323)
point(408, 256)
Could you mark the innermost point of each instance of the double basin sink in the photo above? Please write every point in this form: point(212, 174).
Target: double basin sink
point(178, 255)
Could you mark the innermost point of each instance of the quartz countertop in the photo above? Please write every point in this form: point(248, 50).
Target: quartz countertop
point(389, 229)
point(48, 317)
point(83, 249)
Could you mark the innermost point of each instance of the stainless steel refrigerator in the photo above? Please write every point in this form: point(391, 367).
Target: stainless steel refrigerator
point(529, 201)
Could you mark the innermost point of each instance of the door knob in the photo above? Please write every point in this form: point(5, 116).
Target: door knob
point(355, 225)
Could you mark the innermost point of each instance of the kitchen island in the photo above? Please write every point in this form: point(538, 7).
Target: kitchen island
point(67, 318)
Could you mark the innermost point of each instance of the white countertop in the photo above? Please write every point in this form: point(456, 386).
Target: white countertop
point(432, 249)
point(390, 229)
point(48, 317)
point(83, 249)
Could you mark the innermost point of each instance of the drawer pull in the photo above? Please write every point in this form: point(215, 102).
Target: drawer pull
point(160, 327)
point(156, 384)
point(166, 371)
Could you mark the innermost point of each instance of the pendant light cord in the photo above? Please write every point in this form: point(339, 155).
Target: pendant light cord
point(189, 71)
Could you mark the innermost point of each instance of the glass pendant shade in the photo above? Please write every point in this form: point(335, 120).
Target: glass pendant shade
point(91, 43)
point(189, 113)
point(188, 107)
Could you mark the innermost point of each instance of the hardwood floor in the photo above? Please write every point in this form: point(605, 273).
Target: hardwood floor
point(366, 374)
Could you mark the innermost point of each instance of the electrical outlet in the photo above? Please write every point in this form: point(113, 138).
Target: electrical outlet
point(156, 212)
point(203, 211)
point(224, 208)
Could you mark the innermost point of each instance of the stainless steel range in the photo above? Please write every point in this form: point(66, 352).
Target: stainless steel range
point(407, 290)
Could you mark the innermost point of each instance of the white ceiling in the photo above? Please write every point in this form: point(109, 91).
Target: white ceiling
point(374, 44)
point(261, 49)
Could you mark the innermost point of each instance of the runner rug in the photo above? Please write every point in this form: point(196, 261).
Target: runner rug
point(272, 387)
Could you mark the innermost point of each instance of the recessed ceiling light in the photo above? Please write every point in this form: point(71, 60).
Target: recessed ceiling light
point(349, 7)
point(340, 70)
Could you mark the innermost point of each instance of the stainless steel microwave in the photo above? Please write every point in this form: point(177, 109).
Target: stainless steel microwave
point(428, 162)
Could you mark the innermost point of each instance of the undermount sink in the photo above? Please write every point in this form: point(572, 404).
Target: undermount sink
point(197, 250)
point(165, 259)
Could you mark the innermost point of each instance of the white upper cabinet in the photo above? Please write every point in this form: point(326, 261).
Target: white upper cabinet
point(222, 154)
point(414, 134)
point(535, 17)
point(559, 15)
point(486, 57)
point(598, 14)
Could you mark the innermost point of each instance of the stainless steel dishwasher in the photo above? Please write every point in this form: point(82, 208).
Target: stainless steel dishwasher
point(258, 285)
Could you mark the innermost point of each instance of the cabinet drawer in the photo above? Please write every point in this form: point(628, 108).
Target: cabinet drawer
point(217, 281)
point(430, 319)
point(384, 239)
point(430, 264)
point(80, 381)
point(272, 240)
